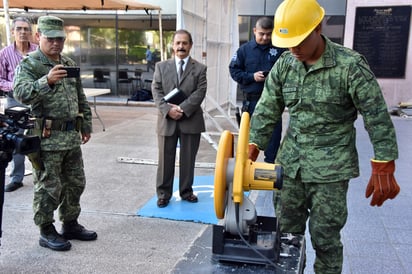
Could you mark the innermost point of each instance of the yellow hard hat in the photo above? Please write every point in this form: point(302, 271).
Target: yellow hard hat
point(294, 21)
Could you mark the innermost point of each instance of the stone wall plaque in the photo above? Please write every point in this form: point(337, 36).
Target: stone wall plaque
point(381, 35)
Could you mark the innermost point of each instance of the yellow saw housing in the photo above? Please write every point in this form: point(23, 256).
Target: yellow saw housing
point(247, 175)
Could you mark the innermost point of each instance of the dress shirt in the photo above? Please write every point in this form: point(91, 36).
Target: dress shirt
point(10, 57)
point(177, 61)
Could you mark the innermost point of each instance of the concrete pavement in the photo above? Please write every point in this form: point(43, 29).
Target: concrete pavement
point(114, 192)
point(376, 240)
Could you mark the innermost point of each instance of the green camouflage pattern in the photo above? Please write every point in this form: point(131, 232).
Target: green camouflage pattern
point(50, 23)
point(327, 208)
point(51, 26)
point(62, 182)
point(323, 104)
point(64, 101)
point(60, 186)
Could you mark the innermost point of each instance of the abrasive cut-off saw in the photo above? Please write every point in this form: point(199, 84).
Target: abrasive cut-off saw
point(243, 236)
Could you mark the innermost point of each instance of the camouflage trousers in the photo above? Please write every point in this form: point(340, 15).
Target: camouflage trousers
point(324, 204)
point(59, 186)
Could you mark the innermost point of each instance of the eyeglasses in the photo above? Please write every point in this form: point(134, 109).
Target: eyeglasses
point(23, 29)
point(55, 39)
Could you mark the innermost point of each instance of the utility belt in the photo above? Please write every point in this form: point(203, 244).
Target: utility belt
point(61, 125)
point(46, 126)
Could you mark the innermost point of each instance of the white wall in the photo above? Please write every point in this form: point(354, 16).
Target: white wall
point(394, 90)
point(268, 7)
point(167, 6)
point(212, 31)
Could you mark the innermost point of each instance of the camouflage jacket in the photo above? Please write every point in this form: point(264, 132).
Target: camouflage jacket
point(323, 103)
point(63, 102)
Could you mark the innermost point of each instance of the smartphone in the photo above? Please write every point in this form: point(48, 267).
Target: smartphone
point(72, 72)
point(265, 73)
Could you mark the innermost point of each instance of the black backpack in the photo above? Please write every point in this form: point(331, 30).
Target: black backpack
point(142, 94)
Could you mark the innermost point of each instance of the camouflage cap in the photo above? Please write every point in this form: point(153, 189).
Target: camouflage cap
point(51, 26)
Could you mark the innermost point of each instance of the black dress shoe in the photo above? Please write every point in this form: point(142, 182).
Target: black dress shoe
point(13, 186)
point(51, 239)
point(191, 198)
point(162, 202)
point(73, 230)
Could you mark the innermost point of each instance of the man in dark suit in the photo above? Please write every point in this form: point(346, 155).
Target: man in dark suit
point(182, 121)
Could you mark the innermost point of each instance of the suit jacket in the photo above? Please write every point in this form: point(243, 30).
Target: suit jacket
point(193, 83)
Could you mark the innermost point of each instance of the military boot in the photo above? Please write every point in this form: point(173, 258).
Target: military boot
point(73, 230)
point(53, 240)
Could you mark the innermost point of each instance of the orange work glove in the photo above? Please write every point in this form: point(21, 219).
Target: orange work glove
point(382, 182)
point(253, 152)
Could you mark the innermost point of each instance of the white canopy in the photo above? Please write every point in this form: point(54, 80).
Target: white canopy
point(84, 5)
point(78, 5)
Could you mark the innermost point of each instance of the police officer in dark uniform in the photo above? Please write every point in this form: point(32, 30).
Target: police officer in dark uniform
point(249, 68)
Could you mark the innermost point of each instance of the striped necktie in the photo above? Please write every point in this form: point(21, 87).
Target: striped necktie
point(181, 63)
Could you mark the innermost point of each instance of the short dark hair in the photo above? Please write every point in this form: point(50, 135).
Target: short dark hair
point(265, 23)
point(20, 19)
point(183, 31)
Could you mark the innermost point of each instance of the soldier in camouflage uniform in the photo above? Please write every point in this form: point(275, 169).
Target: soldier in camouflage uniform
point(324, 85)
point(63, 122)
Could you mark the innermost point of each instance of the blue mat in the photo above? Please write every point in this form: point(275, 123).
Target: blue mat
point(200, 212)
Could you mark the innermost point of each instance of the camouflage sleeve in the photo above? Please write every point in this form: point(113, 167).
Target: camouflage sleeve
point(368, 99)
point(83, 104)
point(30, 82)
point(268, 110)
point(84, 109)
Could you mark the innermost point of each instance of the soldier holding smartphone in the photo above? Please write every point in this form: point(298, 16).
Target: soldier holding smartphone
point(58, 103)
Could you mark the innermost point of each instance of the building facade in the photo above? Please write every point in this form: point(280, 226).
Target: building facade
point(100, 39)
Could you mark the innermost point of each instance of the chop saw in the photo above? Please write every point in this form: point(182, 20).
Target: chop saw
point(242, 236)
